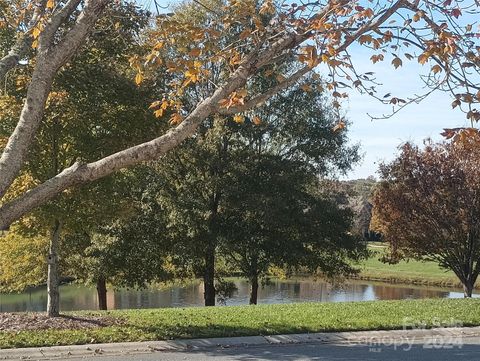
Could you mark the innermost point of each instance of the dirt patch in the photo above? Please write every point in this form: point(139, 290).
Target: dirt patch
point(40, 321)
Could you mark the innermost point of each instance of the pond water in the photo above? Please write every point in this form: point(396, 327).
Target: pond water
point(75, 297)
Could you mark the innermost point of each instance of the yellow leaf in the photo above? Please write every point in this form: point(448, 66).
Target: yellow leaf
point(139, 78)
point(238, 118)
point(36, 32)
point(155, 104)
point(50, 4)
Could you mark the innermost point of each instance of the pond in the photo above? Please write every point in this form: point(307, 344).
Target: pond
point(74, 297)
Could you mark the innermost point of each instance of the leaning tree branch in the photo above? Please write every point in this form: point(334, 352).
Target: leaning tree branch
point(49, 60)
point(83, 173)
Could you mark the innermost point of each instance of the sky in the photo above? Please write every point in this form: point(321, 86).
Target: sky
point(379, 139)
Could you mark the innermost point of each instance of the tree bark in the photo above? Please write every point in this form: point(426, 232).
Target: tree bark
point(209, 277)
point(467, 288)
point(254, 290)
point(102, 293)
point(49, 59)
point(53, 294)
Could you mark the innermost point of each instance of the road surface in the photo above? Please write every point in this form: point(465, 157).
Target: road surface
point(454, 349)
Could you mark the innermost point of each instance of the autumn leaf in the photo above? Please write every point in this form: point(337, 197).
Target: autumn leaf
point(436, 69)
point(158, 113)
point(397, 62)
point(339, 126)
point(306, 88)
point(376, 58)
point(50, 4)
point(154, 105)
point(36, 32)
point(139, 78)
point(238, 118)
point(423, 58)
point(368, 13)
point(267, 7)
point(195, 52)
point(256, 120)
point(176, 118)
point(365, 39)
point(456, 13)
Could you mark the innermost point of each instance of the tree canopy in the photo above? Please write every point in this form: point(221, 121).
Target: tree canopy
point(427, 207)
point(262, 36)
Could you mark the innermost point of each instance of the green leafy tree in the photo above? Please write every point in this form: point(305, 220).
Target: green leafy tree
point(278, 218)
point(94, 109)
point(203, 189)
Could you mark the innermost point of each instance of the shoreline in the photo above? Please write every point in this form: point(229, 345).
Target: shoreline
point(390, 279)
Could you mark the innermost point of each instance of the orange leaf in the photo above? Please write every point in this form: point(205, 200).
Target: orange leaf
point(238, 118)
point(397, 62)
point(339, 126)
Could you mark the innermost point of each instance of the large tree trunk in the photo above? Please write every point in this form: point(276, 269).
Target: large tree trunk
point(53, 294)
point(209, 277)
point(467, 290)
point(254, 290)
point(102, 293)
point(468, 284)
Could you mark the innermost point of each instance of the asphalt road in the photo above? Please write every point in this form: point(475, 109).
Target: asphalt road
point(454, 349)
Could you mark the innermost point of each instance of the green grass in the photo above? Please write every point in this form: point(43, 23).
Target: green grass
point(173, 323)
point(406, 271)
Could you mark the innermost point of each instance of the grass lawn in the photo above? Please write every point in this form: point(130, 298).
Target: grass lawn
point(406, 271)
point(162, 324)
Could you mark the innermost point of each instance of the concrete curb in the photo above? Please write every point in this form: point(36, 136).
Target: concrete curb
point(357, 337)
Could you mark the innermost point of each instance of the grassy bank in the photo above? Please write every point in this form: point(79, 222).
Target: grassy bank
point(410, 272)
point(161, 324)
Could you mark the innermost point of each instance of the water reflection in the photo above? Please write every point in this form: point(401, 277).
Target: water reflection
point(277, 291)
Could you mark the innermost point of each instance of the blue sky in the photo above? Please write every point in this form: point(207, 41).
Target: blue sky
point(379, 139)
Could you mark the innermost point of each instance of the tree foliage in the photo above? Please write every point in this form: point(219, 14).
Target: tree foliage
point(94, 109)
point(260, 38)
point(427, 207)
point(248, 192)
